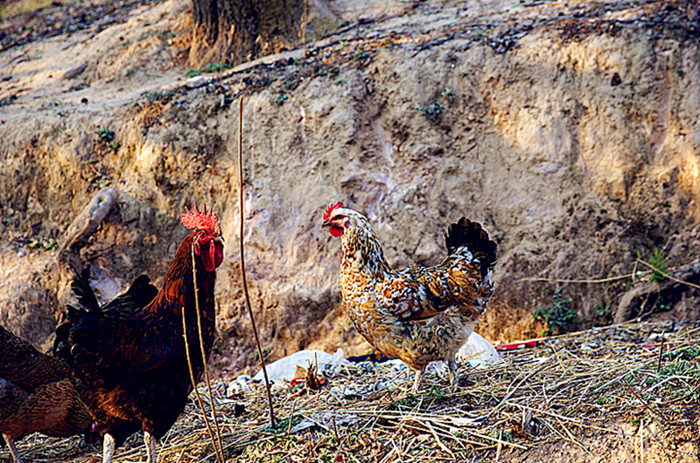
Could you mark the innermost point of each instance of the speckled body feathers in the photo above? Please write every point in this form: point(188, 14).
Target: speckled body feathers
point(419, 314)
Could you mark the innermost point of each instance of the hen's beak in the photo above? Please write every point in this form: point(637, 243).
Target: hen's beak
point(326, 223)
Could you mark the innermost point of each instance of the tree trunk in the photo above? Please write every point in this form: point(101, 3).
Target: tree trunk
point(234, 31)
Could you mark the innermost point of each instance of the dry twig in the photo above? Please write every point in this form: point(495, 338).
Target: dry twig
point(242, 248)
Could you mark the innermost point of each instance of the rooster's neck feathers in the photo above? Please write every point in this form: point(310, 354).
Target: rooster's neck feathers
point(178, 287)
point(362, 251)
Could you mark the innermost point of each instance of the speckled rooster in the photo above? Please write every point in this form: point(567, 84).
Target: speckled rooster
point(130, 361)
point(419, 314)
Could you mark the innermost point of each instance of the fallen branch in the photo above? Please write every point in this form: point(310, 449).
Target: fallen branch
point(646, 405)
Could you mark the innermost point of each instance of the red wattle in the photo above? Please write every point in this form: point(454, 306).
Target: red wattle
point(219, 257)
point(337, 232)
point(209, 258)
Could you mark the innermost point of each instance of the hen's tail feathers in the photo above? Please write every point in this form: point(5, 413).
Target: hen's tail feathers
point(473, 237)
point(78, 335)
point(61, 346)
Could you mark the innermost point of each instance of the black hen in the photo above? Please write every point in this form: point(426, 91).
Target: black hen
point(37, 394)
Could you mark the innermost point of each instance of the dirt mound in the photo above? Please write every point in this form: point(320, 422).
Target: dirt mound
point(568, 129)
point(63, 18)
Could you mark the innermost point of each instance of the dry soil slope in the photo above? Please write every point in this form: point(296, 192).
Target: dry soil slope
point(569, 129)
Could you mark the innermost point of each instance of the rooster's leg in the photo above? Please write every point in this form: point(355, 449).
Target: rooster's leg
point(454, 375)
point(418, 380)
point(13, 449)
point(150, 447)
point(107, 448)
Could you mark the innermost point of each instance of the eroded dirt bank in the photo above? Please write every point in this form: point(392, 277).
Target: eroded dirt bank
point(569, 129)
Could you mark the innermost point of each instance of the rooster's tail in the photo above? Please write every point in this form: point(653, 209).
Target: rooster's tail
point(471, 235)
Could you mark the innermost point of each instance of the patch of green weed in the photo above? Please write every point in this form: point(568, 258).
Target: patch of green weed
point(449, 93)
point(158, 96)
point(107, 138)
point(658, 261)
point(602, 311)
point(558, 316)
point(433, 111)
point(279, 100)
point(409, 401)
point(211, 67)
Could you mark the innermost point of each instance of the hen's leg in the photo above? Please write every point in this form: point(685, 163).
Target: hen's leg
point(13, 449)
point(107, 448)
point(416, 383)
point(151, 442)
point(454, 375)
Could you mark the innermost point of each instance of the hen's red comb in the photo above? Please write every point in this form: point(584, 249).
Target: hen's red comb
point(201, 220)
point(330, 209)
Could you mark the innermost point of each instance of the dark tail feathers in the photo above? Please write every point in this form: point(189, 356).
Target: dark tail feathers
point(470, 234)
point(83, 291)
point(61, 346)
point(81, 324)
point(139, 295)
point(84, 318)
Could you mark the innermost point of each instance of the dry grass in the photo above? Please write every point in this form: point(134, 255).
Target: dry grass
point(568, 389)
point(13, 8)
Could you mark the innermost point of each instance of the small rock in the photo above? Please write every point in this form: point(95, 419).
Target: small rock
point(239, 386)
point(586, 346)
point(196, 82)
point(330, 419)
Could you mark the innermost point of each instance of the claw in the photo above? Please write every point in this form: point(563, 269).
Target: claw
point(454, 375)
point(152, 456)
point(107, 448)
point(417, 382)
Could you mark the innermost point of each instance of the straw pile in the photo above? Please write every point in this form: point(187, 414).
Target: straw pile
point(634, 387)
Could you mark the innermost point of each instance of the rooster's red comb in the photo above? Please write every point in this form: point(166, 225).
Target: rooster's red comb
point(201, 220)
point(330, 209)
